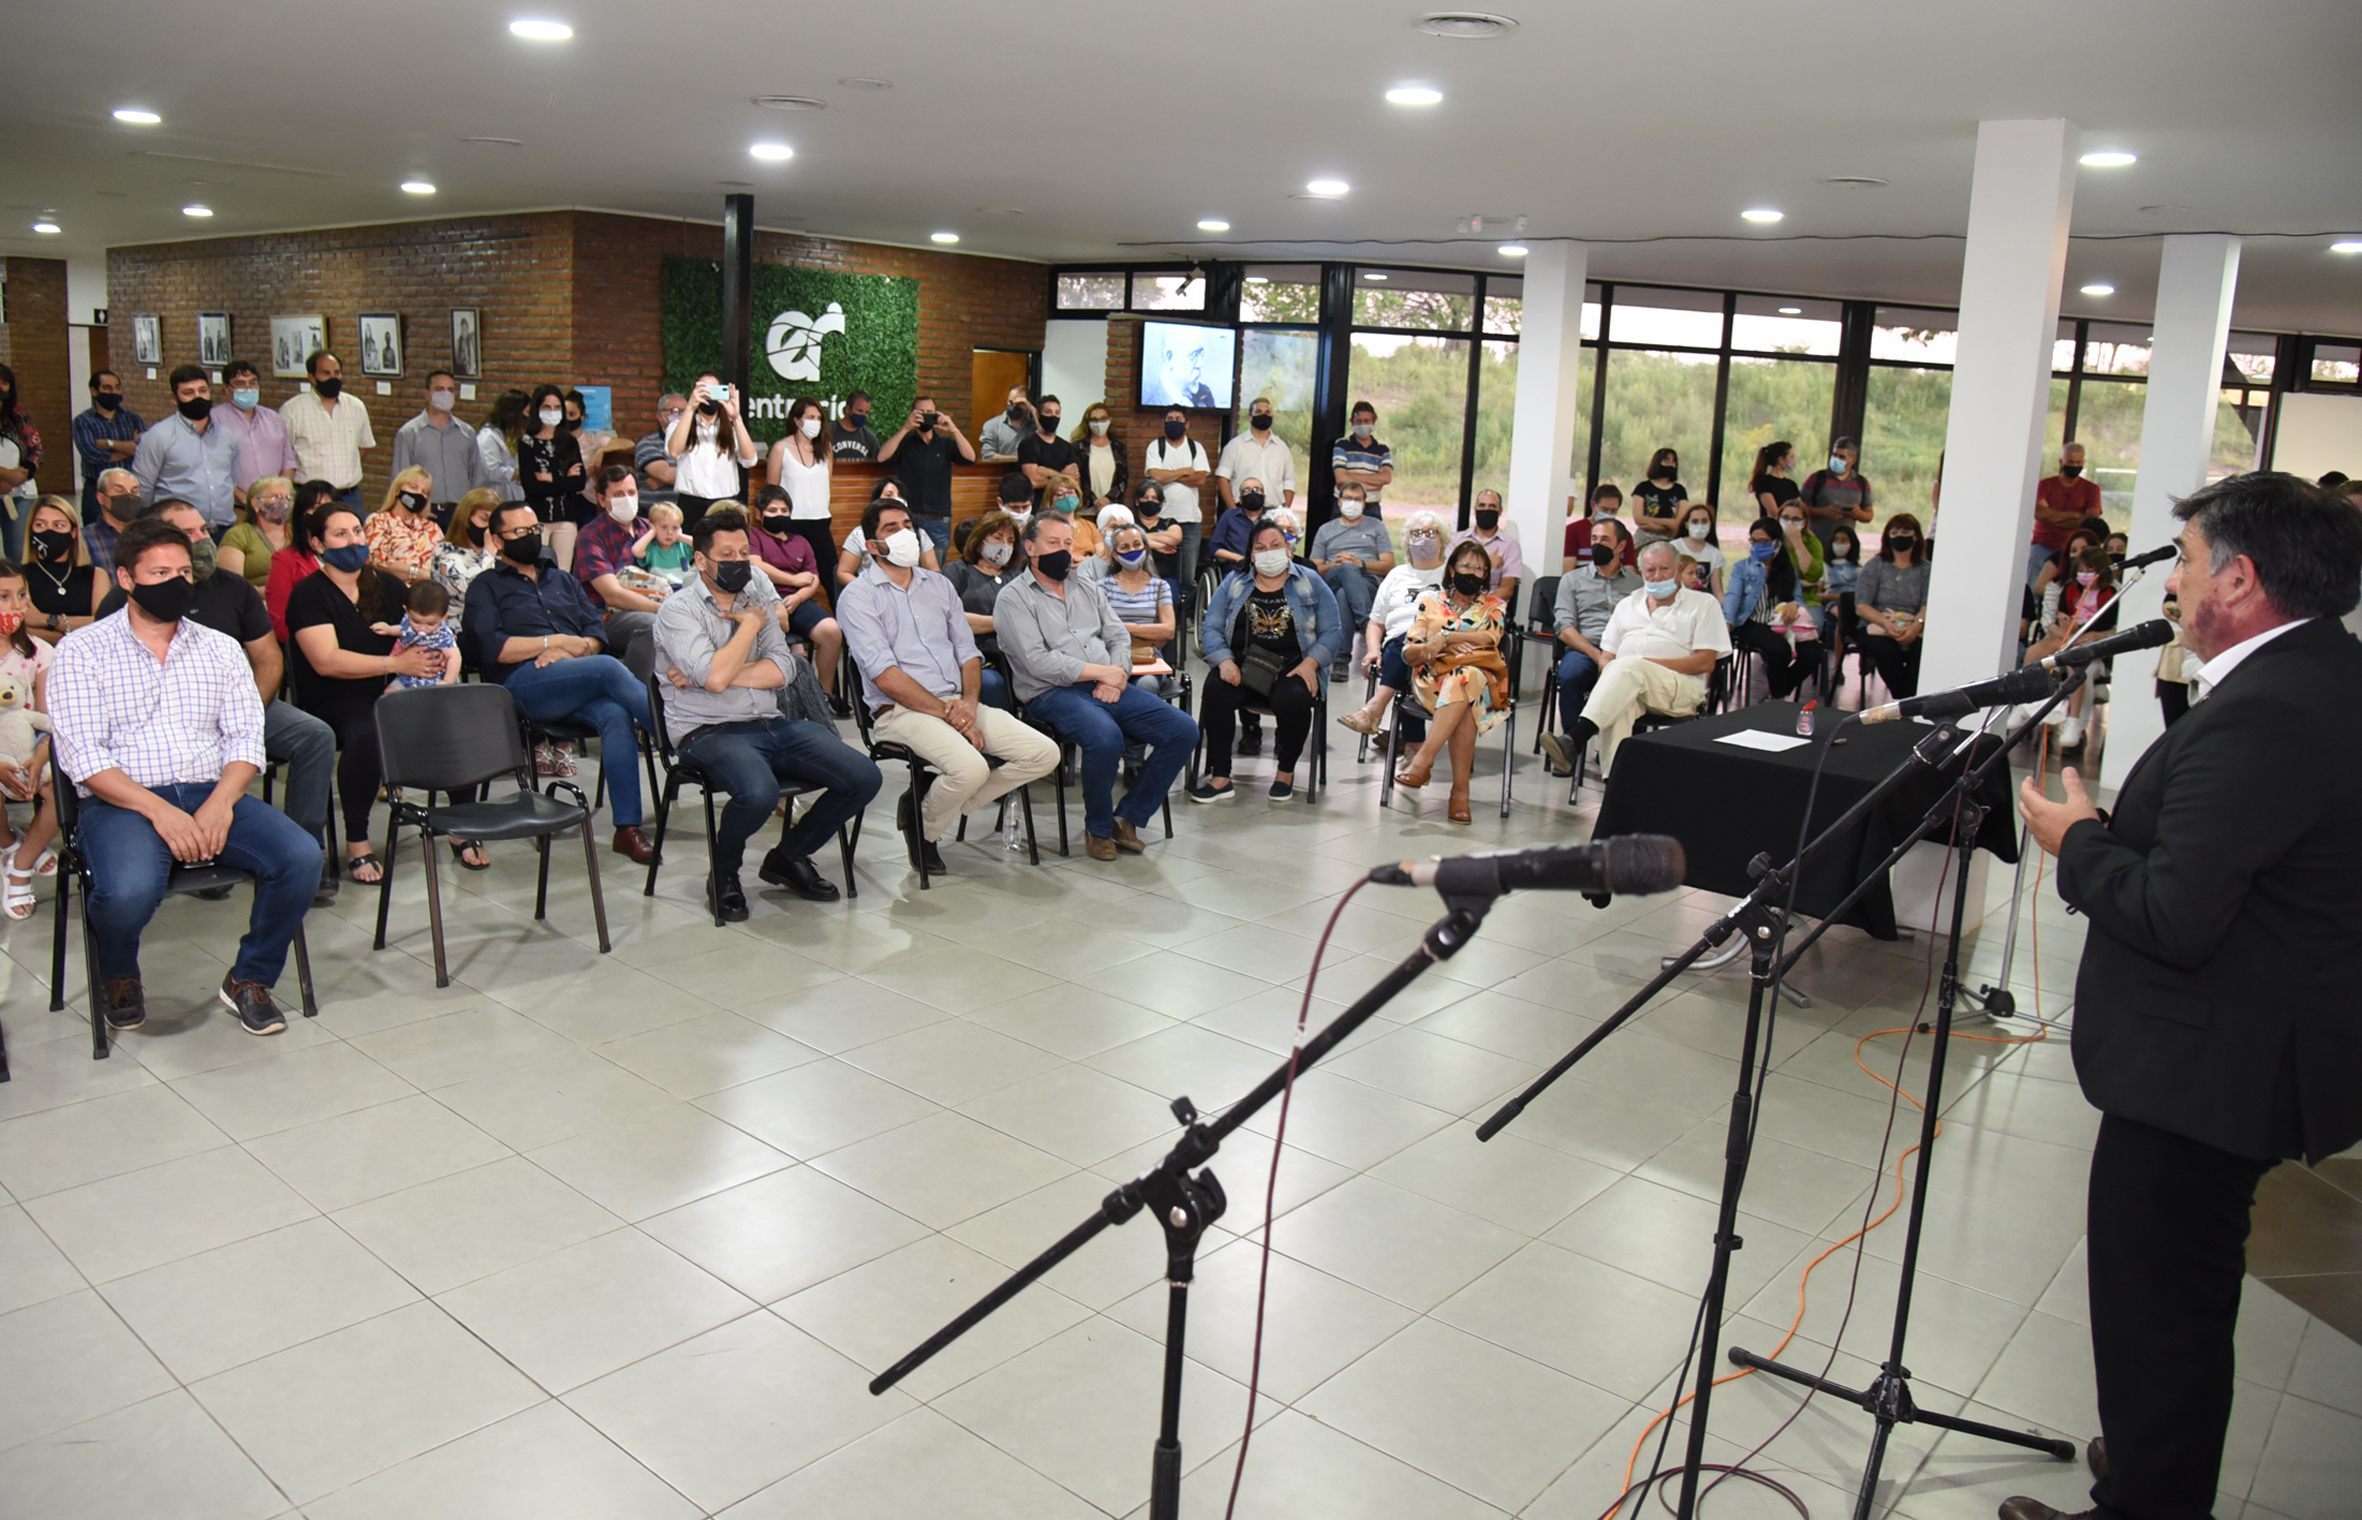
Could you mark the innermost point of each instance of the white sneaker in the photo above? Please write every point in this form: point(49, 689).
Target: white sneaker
point(2072, 734)
point(2054, 717)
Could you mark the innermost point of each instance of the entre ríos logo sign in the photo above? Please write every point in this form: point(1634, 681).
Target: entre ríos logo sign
point(816, 333)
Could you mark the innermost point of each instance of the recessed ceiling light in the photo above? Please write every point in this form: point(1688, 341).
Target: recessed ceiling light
point(1761, 214)
point(2108, 158)
point(1258, 279)
point(790, 103)
point(1791, 311)
point(2099, 289)
point(541, 31)
point(1468, 25)
point(2346, 245)
point(196, 211)
point(1413, 95)
point(1213, 224)
point(772, 153)
point(1374, 277)
point(47, 227)
point(1513, 250)
point(419, 186)
point(944, 237)
point(136, 116)
point(1327, 187)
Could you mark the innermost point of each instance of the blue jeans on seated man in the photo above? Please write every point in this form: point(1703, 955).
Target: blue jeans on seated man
point(1577, 674)
point(600, 690)
point(1100, 729)
point(1356, 588)
point(993, 689)
point(750, 761)
point(129, 865)
point(1394, 673)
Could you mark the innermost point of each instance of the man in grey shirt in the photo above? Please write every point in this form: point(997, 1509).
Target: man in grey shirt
point(1070, 663)
point(186, 457)
point(723, 662)
point(1000, 438)
point(1352, 552)
point(922, 676)
point(1587, 597)
point(438, 443)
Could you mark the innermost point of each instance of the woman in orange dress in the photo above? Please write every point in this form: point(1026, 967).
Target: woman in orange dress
point(1457, 673)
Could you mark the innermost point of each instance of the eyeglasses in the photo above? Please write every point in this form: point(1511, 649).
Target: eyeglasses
point(512, 534)
point(275, 501)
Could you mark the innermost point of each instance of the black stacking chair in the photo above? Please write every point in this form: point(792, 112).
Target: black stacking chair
point(452, 739)
point(922, 776)
point(1316, 746)
point(1512, 650)
point(679, 769)
point(73, 870)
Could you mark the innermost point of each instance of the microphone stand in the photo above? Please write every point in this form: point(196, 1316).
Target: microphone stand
point(1759, 917)
point(1184, 1205)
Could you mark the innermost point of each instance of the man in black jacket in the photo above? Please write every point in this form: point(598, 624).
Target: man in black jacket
point(2216, 1028)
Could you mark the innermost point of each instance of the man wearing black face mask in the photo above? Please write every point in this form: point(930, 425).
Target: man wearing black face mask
point(170, 767)
point(1257, 452)
point(187, 457)
point(1044, 454)
point(105, 436)
point(1177, 462)
point(923, 452)
point(999, 438)
point(2062, 503)
point(1508, 560)
point(329, 430)
point(849, 439)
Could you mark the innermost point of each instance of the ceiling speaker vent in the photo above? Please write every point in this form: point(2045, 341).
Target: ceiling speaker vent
point(1856, 181)
point(790, 103)
point(1466, 24)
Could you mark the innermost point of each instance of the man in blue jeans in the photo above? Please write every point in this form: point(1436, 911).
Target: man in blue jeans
point(159, 728)
point(1071, 664)
point(724, 660)
point(535, 631)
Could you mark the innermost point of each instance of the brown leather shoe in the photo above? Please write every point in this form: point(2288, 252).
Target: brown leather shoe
point(2095, 1454)
point(1100, 846)
point(2022, 1508)
point(1127, 838)
point(630, 841)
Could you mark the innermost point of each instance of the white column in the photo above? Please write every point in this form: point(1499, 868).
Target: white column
point(2195, 282)
point(1549, 362)
point(2018, 208)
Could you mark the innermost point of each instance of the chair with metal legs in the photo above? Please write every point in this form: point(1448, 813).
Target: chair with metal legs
point(922, 776)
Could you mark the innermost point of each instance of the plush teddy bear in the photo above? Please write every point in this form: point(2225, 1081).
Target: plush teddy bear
point(20, 726)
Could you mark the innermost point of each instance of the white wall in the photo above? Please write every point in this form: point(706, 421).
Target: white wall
point(2318, 434)
point(1074, 365)
point(86, 290)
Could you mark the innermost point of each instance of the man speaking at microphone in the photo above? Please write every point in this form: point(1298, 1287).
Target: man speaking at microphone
point(2216, 1026)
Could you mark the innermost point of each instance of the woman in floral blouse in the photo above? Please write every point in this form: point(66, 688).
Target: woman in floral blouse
point(1454, 651)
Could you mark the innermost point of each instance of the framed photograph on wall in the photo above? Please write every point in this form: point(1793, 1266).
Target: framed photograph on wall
point(213, 338)
point(293, 340)
point(381, 344)
point(467, 342)
point(147, 338)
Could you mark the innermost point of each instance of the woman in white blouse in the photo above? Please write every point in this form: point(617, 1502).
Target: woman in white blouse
point(496, 442)
point(711, 449)
point(799, 466)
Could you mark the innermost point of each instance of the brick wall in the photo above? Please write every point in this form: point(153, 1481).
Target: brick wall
point(1142, 426)
point(567, 297)
point(33, 343)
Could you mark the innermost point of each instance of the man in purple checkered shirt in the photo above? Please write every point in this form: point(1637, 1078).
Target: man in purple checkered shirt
point(602, 552)
point(159, 726)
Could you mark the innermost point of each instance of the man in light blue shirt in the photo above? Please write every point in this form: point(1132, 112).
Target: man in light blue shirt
point(186, 456)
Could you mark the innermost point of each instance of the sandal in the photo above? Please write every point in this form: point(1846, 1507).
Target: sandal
point(1361, 722)
point(1402, 778)
point(45, 864)
point(462, 848)
point(17, 899)
point(355, 864)
point(1458, 812)
point(545, 762)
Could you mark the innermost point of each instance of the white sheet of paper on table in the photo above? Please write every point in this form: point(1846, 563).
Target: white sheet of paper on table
point(1770, 743)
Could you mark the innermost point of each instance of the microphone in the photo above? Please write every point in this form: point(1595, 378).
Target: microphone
point(2154, 556)
point(1633, 863)
point(2030, 683)
point(2153, 634)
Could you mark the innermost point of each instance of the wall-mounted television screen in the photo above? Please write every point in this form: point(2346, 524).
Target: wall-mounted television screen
point(1182, 364)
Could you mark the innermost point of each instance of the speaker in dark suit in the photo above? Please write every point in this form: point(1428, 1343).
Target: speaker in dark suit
point(2217, 1028)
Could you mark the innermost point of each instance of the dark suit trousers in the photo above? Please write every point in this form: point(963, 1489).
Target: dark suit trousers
point(2168, 1220)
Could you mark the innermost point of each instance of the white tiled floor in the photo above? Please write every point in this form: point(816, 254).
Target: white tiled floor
point(626, 1237)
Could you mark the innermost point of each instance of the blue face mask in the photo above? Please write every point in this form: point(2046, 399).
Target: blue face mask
point(1130, 558)
point(1762, 553)
point(350, 558)
point(1661, 590)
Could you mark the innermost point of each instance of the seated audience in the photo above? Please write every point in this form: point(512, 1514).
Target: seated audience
point(1100, 562)
point(1228, 542)
point(1143, 603)
point(1841, 572)
point(992, 559)
point(1891, 601)
point(534, 630)
point(853, 557)
point(265, 525)
point(1803, 550)
point(403, 532)
point(923, 679)
point(1391, 612)
point(158, 725)
point(25, 660)
point(62, 584)
point(1764, 607)
point(1063, 494)
point(1353, 554)
point(664, 550)
point(720, 651)
point(783, 556)
point(1501, 551)
point(1271, 633)
point(1457, 671)
point(466, 550)
point(290, 565)
point(2086, 609)
point(1661, 644)
point(426, 624)
point(603, 563)
point(1699, 541)
point(1070, 661)
point(1587, 598)
point(1606, 501)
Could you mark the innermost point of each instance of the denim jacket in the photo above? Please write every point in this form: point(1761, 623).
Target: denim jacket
point(1742, 591)
point(1319, 625)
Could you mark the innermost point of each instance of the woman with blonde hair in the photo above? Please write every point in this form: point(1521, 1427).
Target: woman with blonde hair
point(1103, 468)
point(62, 583)
point(1063, 494)
point(466, 550)
point(402, 535)
point(263, 528)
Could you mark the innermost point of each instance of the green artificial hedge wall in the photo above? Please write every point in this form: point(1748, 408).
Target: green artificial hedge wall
point(877, 351)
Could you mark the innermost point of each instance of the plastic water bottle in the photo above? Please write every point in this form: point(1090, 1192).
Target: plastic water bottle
point(1804, 718)
point(1013, 825)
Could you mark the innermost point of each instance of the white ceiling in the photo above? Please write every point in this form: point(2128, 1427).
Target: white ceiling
point(1089, 129)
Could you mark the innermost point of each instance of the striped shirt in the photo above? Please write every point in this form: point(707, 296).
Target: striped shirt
point(1145, 606)
point(328, 444)
point(183, 719)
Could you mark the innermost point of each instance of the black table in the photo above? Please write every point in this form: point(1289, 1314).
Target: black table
point(1726, 804)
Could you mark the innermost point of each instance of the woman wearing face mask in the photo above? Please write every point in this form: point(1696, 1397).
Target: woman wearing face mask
point(63, 589)
point(263, 528)
point(1841, 573)
point(1658, 500)
point(799, 465)
point(1803, 551)
point(20, 456)
point(1839, 493)
point(1762, 605)
point(402, 534)
point(1101, 464)
point(25, 660)
point(2058, 572)
point(1453, 648)
point(292, 564)
point(993, 558)
point(1891, 600)
point(784, 558)
point(1774, 463)
point(2087, 610)
point(1392, 608)
point(853, 557)
point(1142, 601)
point(1271, 632)
point(1063, 494)
point(1699, 541)
point(496, 442)
point(711, 449)
point(467, 549)
point(549, 466)
point(340, 663)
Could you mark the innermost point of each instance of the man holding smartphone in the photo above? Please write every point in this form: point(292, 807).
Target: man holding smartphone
point(923, 451)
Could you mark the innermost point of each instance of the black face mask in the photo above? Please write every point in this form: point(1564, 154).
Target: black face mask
point(1055, 566)
point(732, 576)
point(1488, 518)
point(196, 408)
point(524, 551)
point(53, 543)
point(1604, 556)
point(1176, 430)
point(777, 523)
point(1468, 583)
point(1049, 422)
point(475, 535)
point(329, 389)
point(1260, 422)
point(1149, 510)
point(1016, 414)
point(855, 421)
point(1902, 545)
point(1664, 472)
point(1250, 502)
point(167, 601)
point(2070, 471)
point(708, 408)
point(107, 401)
point(413, 501)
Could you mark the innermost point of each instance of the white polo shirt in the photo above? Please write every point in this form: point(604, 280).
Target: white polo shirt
point(1180, 500)
point(1690, 624)
point(1270, 462)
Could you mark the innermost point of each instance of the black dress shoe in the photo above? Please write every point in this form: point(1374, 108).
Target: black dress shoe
point(2021, 1508)
point(725, 898)
point(2095, 1454)
point(798, 875)
point(933, 857)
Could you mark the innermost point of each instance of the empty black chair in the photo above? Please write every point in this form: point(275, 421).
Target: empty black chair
point(73, 869)
point(452, 739)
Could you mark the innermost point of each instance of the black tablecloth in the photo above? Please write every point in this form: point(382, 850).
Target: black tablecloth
point(1726, 804)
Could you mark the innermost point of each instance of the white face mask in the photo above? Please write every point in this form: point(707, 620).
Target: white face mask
point(1697, 530)
point(902, 548)
point(441, 400)
point(1099, 427)
point(1271, 562)
point(1350, 508)
point(624, 509)
point(1019, 515)
point(552, 419)
point(811, 427)
point(996, 554)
